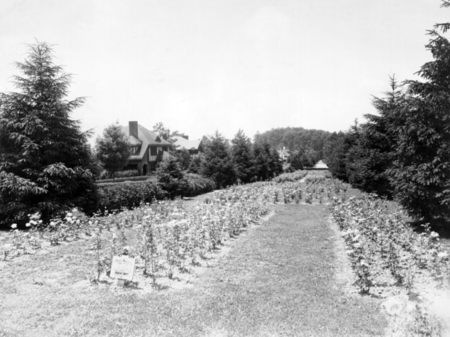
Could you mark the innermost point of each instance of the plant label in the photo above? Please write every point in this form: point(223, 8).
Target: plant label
point(122, 267)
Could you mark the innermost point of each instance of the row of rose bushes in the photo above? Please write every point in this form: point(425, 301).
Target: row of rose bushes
point(238, 204)
point(290, 177)
point(383, 248)
point(166, 238)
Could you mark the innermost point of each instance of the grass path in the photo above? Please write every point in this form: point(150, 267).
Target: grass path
point(279, 279)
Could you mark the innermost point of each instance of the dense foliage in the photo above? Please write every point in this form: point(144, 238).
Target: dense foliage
point(127, 195)
point(198, 184)
point(113, 149)
point(404, 150)
point(420, 172)
point(171, 177)
point(243, 158)
point(267, 161)
point(306, 143)
point(218, 164)
point(44, 157)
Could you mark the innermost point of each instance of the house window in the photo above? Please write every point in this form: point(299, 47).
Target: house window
point(153, 151)
point(159, 149)
point(134, 149)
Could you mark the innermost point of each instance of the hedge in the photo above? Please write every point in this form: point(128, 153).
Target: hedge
point(121, 180)
point(127, 195)
point(199, 184)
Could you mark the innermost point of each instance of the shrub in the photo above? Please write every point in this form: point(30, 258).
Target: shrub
point(171, 177)
point(104, 175)
point(198, 184)
point(127, 173)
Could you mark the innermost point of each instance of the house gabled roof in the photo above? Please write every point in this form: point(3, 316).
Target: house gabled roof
point(134, 141)
point(145, 138)
point(182, 143)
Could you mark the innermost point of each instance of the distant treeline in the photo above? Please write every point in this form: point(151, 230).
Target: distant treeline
point(305, 146)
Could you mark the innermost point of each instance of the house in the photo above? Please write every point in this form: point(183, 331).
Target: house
point(145, 146)
point(183, 143)
point(284, 154)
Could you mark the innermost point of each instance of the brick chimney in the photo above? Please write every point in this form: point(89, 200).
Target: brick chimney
point(133, 126)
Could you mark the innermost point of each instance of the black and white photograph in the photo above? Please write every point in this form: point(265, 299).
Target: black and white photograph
point(225, 168)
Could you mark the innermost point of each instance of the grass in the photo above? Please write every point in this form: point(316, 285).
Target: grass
point(278, 279)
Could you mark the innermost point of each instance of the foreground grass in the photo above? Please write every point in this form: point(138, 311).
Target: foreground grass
point(278, 279)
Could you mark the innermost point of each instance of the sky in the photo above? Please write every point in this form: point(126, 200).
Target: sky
point(201, 66)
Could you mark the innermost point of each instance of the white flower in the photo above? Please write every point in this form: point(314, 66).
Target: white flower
point(14, 226)
point(443, 255)
point(27, 224)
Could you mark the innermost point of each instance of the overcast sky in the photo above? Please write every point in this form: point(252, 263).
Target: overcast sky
point(204, 65)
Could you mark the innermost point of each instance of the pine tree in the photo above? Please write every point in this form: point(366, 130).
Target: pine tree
point(262, 165)
point(218, 164)
point(276, 166)
point(372, 154)
point(243, 158)
point(44, 156)
point(421, 169)
point(113, 149)
point(171, 177)
point(335, 155)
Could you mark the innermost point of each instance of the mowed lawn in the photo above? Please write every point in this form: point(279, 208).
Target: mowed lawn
point(280, 278)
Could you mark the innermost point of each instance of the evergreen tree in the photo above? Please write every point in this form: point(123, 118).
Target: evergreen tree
point(296, 161)
point(171, 177)
point(113, 149)
point(276, 166)
point(335, 150)
point(242, 156)
point(372, 155)
point(218, 164)
point(261, 161)
point(44, 156)
point(421, 169)
point(196, 163)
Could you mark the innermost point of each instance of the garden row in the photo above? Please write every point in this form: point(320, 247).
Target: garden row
point(129, 203)
point(391, 260)
point(385, 251)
